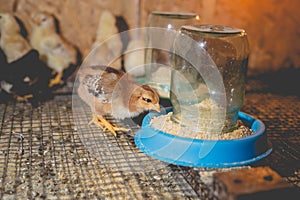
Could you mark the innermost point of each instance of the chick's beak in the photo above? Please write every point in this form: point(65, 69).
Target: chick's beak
point(38, 22)
point(156, 107)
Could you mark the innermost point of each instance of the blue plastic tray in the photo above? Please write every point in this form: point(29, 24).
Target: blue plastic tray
point(204, 153)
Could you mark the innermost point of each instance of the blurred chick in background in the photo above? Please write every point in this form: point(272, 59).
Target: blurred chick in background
point(54, 50)
point(107, 47)
point(108, 91)
point(23, 75)
point(13, 44)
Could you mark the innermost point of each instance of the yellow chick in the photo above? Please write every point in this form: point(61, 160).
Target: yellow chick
point(13, 44)
point(108, 45)
point(109, 91)
point(57, 53)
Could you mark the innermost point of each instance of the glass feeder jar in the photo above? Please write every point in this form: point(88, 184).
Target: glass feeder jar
point(157, 60)
point(200, 91)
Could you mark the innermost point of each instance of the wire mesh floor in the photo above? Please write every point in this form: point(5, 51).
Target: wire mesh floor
point(42, 155)
point(119, 153)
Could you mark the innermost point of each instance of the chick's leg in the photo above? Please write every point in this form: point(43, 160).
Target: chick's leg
point(24, 98)
point(56, 80)
point(96, 121)
point(104, 125)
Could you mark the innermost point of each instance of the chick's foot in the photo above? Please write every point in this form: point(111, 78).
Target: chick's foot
point(24, 98)
point(106, 125)
point(56, 80)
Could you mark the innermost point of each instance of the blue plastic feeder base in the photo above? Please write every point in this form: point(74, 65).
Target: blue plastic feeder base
point(204, 153)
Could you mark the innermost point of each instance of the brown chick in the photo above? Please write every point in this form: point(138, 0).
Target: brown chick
point(109, 91)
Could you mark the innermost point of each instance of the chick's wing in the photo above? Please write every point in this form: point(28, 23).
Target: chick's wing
point(60, 55)
point(103, 83)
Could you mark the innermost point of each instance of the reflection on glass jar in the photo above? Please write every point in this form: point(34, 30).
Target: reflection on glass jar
point(157, 68)
point(228, 49)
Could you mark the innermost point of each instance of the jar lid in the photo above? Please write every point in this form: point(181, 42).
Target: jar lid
point(174, 14)
point(214, 29)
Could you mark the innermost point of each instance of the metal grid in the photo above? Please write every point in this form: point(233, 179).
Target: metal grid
point(119, 152)
point(281, 116)
point(43, 155)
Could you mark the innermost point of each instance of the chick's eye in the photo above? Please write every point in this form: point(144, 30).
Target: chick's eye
point(44, 19)
point(147, 100)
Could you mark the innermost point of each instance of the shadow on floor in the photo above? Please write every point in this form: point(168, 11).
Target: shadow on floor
point(284, 82)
